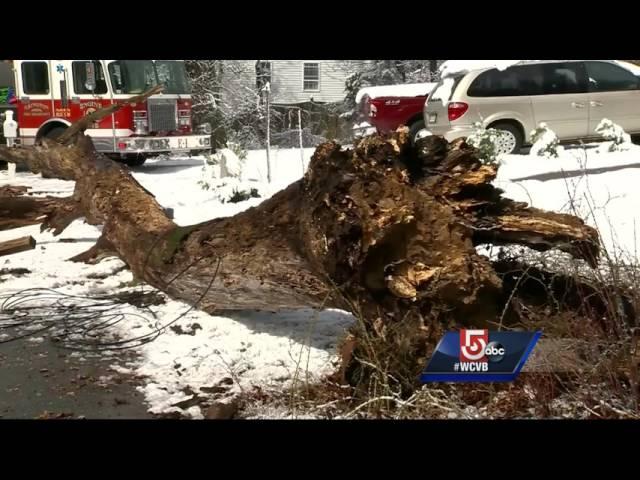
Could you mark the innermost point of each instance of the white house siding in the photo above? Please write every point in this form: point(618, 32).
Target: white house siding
point(287, 80)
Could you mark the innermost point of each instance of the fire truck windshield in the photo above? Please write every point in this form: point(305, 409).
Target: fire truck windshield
point(137, 76)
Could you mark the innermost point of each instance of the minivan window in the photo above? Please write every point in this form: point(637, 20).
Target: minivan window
point(563, 78)
point(607, 77)
point(514, 81)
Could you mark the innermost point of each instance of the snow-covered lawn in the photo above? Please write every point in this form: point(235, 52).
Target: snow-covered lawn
point(599, 186)
point(250, 348)
point(174, 182)
point(270, 350)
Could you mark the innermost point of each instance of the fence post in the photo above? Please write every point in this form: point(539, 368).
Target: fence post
point(300, 139)
point(267, 90)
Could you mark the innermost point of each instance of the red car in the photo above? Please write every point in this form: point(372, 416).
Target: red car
point(384, 109)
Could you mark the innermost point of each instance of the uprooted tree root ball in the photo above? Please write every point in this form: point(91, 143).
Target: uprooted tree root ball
point(386, 230)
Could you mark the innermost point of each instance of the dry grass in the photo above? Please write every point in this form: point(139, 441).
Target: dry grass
point(607, 388)
point(592, 310)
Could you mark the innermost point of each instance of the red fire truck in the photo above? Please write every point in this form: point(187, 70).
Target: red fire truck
point(52, 94)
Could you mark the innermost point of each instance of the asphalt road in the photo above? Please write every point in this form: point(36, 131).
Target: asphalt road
point(40, 380)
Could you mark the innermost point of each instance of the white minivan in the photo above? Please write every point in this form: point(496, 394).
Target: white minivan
point(570, 96)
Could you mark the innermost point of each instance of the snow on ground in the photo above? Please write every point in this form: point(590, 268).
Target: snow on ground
point(404, 90)
point(269, 350)
point(174, 182)
point(287, 165)
point(597, 185)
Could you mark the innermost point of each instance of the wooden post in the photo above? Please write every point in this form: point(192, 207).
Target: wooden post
point(17, 245)
point(300, 138)
point(267, 89)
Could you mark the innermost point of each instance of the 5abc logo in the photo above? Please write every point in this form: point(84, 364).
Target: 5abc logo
point(475, 347)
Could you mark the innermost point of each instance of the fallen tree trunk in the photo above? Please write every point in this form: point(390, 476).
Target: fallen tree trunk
point(385, 230)
point(18, 212)
point(17, 245)
point(379, 222)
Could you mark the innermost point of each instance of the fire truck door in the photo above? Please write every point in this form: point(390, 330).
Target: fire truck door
point(35, 93)
point(89, 91)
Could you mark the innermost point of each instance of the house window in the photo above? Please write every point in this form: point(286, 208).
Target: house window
point(263, 74)
point(311, 76)
point(35, 78)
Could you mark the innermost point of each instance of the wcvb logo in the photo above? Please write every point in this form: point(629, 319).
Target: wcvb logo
point(480, 356)
point(473, 344)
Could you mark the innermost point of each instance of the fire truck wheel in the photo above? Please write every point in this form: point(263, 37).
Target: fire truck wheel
point(55, 132)
point(134, 160)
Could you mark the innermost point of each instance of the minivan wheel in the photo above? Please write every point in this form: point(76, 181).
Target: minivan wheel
point(511, 139)
point(414, 129)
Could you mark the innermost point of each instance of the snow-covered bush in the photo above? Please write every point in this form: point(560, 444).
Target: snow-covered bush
point(222, 175)
point(223, 164)
point(238, 150)
point(232, 190)
point(230, 164)
point(545, 142)
point(618, 139)
point(485, 141)
point(234, 108)
point(210, 171)
point(242, 195)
